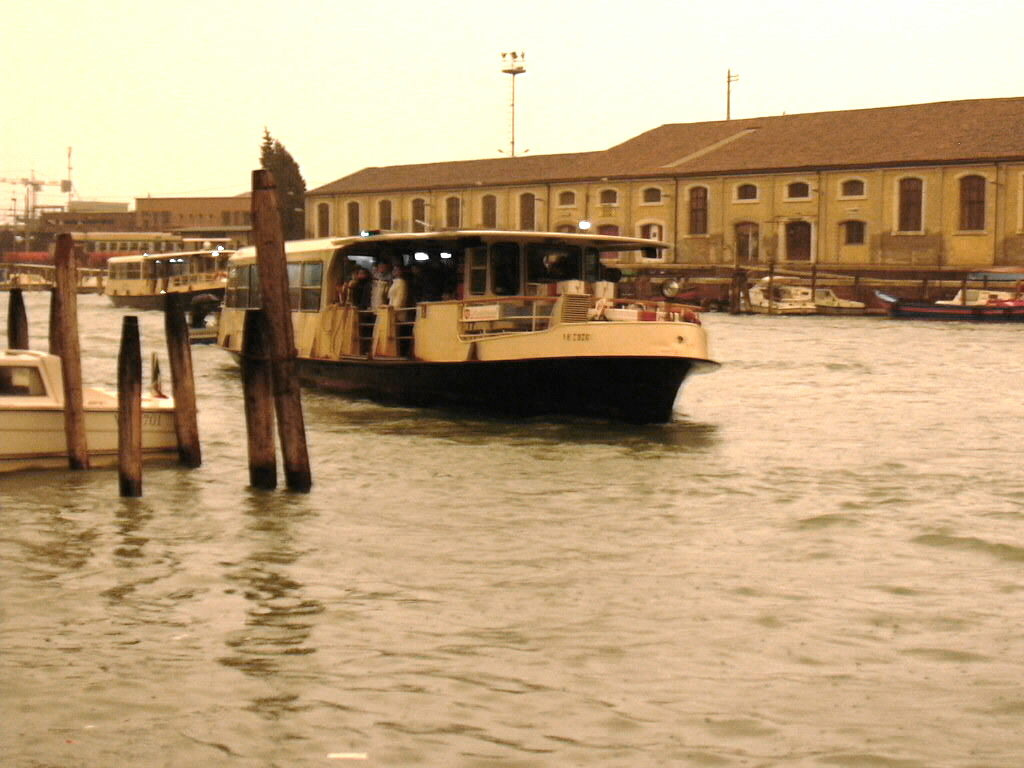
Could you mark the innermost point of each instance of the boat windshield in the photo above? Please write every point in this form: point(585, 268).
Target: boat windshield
point(21, 380)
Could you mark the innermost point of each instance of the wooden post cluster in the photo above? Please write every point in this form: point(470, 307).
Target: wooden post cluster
point(129, 409)
point(64, 335)
point(179, 351)
point(17, 321)
point(277, 328)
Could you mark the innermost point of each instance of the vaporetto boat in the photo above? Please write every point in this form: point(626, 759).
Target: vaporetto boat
point(517, 322)
point(141, 280)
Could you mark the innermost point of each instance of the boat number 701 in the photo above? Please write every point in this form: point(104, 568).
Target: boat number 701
point(575, 337)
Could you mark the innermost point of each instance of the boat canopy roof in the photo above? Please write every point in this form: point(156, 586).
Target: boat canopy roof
point(165, 256)
point(297, 250)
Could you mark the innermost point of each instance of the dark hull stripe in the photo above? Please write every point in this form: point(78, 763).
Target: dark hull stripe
point(635, 389)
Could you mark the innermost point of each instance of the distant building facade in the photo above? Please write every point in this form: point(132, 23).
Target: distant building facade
point(923, 186)
point(178, 213)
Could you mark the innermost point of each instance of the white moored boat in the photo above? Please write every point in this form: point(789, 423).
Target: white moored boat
point(32, 417)
point(518, 322)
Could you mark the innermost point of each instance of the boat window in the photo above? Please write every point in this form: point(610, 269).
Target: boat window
point(21, 381)
point(243, 289)
point(477, 270)
point(304, 281)
point(552, 263)
point(505, 268)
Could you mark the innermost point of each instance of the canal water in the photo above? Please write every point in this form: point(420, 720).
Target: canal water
point(819, 563)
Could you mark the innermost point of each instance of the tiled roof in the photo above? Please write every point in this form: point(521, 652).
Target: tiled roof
point(944, 132)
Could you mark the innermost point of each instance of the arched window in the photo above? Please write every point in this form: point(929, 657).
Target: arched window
point(746, 192)
point(453, 212)
point(353, 218)
point(698, 210)
point(854, 232)
point(972, 202)
point(609, 197)
point(746, 242)
point(527, 211)
point(489, 209)
point(384, 214)
point(798, 190)
point(910, 200)
point(651, 195)
point(419, 215)
point(567, 198)
point(851, 188)
point(323, 220)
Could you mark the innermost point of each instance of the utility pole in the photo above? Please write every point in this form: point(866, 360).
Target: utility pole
point(730, 78)
point(513, 64)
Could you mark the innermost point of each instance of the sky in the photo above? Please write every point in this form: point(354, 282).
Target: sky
point(172, 98)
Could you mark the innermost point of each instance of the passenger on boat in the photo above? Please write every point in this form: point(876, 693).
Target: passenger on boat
point(359, 289)
point(381, 284)
point(398, 292)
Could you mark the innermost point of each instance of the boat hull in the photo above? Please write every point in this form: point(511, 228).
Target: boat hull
point(633, 389)
point(983, 314)
point(34, 438)
point(156, 301)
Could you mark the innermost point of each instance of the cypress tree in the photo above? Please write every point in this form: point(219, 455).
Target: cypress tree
point(291, 188)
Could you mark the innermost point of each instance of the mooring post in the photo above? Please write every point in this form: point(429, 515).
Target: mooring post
point(129, 409)
point(179, 352)
point(273, 274)
point(64, 333)
point(258, 396)
point(17, 321)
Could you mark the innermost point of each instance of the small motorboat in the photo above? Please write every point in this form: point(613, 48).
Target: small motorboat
point(32, 417)
point(969, 304)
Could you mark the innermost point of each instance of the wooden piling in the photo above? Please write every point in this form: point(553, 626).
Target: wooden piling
point(258, 396)
point(53, 331)
point(129, 409)
point(273, 274)
point(179, 352)
point(17, 320)
point(64, 333)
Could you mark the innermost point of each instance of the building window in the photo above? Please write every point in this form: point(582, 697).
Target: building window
point(698, 210)
point(746, 242)
point(452, 212)
point(798, 190)
point(798, 241)
point(419, 215)
point(353, 218)
point(854, 232)
point(323, 220)
point(746, 192)
point(565, 228)
point(566, 199)
point(651, 231)
point(489, 207)
point(608, 229)
point(527, 211)
point(384, 214)
point(972, 202)
point(910, 199)
point(609, 197)
point(651, 195)
point(852, 188)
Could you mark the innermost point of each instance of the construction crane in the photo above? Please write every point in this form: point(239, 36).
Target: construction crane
point(32, 186)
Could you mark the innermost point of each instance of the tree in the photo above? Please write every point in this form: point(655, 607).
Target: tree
point(291, 188)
